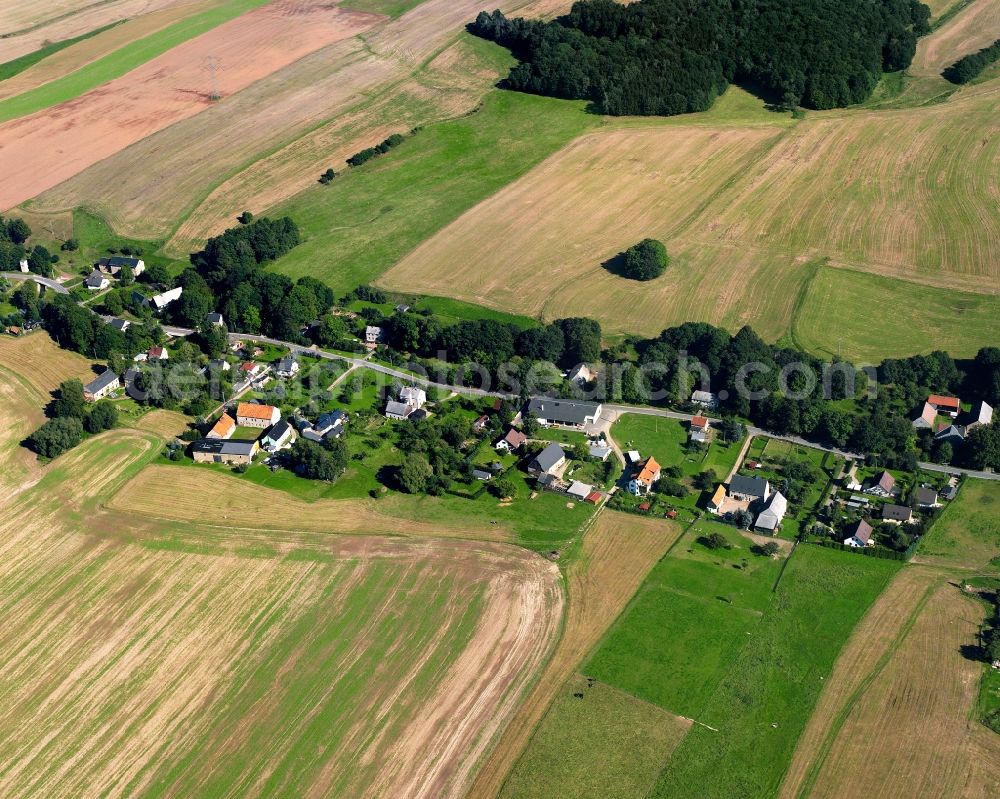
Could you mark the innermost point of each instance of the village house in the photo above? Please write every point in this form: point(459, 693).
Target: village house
point(223, 428)
point(896, 513)
point(23, 266)
point(411, 400)
point(643, 480)
point(511, 442)
point(161, 301)
point(769, 519)
point(980, 415)
point(287, 366)
point(480, 424)
point(599, 451)
point(569, 413)
point(103, 385)
point(250, 370)
point(157, 353)
point(548, 460)
point(579, 490)
point(250, 414)
point(278, 436)
point(215, 450)
point(482, 475)
point(881, 485)
point(411, 395)
point(120, 325)
point(113, 265)
point(953, 434)
point(716, 500)
point(330, 424)
point(96, 281)
point(858, 535)
point(706, 399)
point(214, 318)
point(949, 406)
point(925, 421)
point(698, 430)
point(926, 497)
point(749, 489)
point(581, 375)
point(373, 335)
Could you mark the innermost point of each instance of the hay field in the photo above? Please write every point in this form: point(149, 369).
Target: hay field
point(829, 318)
point(233, 503)
point(616, 554)
point(163, 91)
point(27, 25)
point(907, 730)
point(975, 27)
point(233, 135)
point(38, 360)
point(78, 55)
point(140, 658)
point(908, 194)
point(967, 535)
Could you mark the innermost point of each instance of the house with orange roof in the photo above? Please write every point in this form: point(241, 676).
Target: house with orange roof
point(647, 474)
point(698, 429)
point(250, 414)
point(715, 503)
point(945, 405)
point(223, 428)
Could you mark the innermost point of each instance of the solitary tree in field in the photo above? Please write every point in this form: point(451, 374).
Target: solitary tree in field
point(716, 541)
point(646, 260)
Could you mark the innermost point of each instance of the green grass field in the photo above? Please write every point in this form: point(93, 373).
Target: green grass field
point(371, 216)
point(839, 314)
point(968, 532)
point(595, 742)
point(762, 705)
point(677, 640)
point(391, 8)
point(18, 65)
point(118, 63)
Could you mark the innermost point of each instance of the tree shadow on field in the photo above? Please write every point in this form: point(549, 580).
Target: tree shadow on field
point(973, 652)
point(616, 265)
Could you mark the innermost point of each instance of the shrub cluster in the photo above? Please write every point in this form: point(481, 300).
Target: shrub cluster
point(969, 67)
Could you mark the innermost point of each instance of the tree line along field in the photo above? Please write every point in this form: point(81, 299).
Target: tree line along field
point(144, 657)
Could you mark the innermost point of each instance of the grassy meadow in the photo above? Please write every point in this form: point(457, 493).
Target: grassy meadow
point(371, 216)
point(967, 535)
point(761, 706)
point(595, 742)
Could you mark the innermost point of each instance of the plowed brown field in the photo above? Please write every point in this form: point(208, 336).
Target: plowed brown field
point(44, 149)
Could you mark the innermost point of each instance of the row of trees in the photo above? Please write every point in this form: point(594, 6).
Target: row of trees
point(664, 57)
point(968, 67)
point(369, 153)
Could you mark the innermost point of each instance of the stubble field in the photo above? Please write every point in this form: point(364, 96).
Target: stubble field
point(748, 215)
point(146, 657)
point(163, 91)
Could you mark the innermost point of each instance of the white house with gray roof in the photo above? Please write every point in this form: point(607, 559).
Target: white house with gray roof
point(570, 413)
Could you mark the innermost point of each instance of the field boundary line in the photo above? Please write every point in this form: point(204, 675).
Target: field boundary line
point(809, 781)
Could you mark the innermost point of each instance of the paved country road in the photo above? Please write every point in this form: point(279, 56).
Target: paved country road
point(48, 282)
point(611, 412)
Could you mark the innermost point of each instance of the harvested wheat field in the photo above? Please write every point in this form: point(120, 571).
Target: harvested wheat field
point(973, 28)
point(899, 720)
point(236, 504)
point(450, 85)
point(616, 555)
point(20, 413)
point(189, 160)
point(28, 25)
point(596, 197)
point(44, 149)
point(905, 194)
point(37, 359)
point(72, 58)
point(133, 664)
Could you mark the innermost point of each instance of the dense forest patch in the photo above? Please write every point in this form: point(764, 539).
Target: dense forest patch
point(663, 57)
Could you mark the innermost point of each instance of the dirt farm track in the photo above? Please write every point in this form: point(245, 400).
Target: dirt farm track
point(41, 150)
